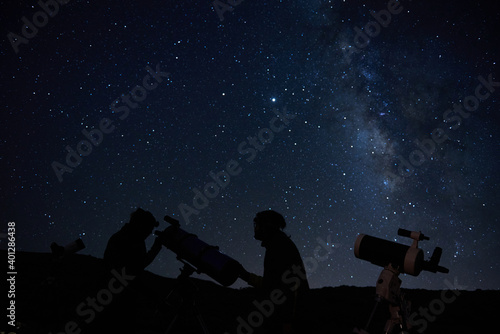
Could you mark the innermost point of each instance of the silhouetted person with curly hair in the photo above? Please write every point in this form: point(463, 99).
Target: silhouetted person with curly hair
point(284, 273)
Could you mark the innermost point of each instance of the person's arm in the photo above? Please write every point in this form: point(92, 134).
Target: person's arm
point(155, 249)
point(252, 279)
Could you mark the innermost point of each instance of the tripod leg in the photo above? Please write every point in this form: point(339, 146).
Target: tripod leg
point(202, 324)
point(365, 330)
point(373, 313)
point(172, 323)
point(184, 309)
point(200, 319)
point(395, 319)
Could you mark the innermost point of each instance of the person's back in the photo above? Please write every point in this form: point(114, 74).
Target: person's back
point(125, 250)
point(281, 263)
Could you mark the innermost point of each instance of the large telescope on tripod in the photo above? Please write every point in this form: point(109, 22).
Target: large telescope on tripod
point(201, 256)
point(395, 258)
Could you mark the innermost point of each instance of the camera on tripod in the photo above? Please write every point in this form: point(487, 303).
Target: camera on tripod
point(194, 252)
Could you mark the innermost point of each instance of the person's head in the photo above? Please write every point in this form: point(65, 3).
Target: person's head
point(143, 222)
point(267, 223)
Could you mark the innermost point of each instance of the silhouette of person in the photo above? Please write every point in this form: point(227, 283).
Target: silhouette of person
point(126, 256)
point(127, 247)
point(283, 271)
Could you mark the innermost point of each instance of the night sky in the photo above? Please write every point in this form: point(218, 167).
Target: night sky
point(344, 121)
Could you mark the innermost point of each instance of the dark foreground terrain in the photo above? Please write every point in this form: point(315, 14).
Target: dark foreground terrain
point(69, 296)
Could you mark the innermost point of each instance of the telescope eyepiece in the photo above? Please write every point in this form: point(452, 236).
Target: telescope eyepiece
point(433, 264)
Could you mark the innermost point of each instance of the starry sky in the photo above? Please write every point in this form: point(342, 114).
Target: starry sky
point(344, 119)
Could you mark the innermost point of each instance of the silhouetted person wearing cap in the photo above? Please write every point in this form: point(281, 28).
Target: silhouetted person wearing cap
point(127, 247)
point(283, 270)
point(126, 257)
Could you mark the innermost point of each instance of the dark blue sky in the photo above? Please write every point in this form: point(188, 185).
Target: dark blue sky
point(373, 141)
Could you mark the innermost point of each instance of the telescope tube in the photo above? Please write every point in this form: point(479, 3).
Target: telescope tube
point(205, 258)
point(382, 252)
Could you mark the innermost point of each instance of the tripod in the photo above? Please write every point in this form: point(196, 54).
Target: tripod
point(187, 289)
point(388, 289)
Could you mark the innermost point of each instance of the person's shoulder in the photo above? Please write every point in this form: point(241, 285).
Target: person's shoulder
point(284, 241)
point(122, 237)
point(117, 236)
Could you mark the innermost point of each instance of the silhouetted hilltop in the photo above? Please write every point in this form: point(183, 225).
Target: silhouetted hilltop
point(63, 295)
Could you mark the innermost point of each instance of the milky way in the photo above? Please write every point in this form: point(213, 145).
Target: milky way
point(391, 123)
